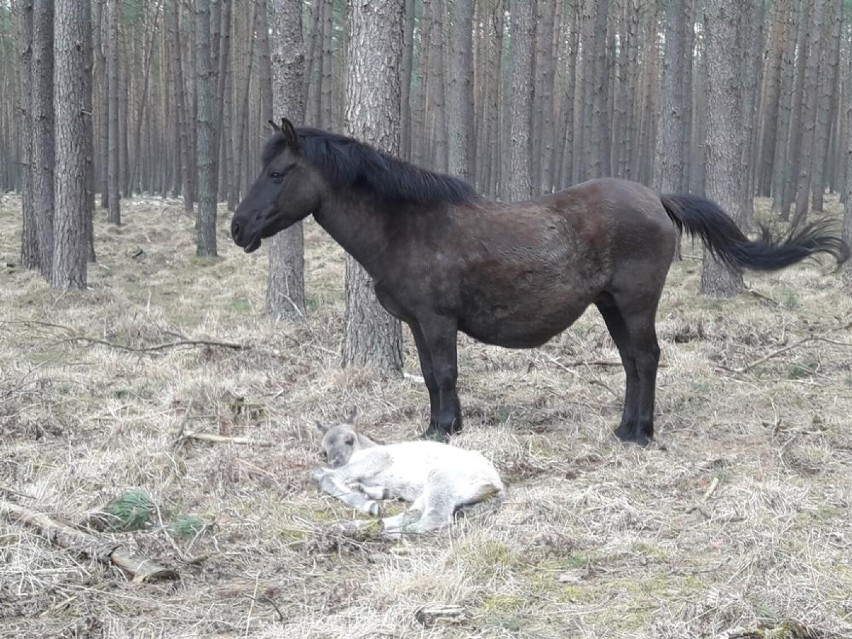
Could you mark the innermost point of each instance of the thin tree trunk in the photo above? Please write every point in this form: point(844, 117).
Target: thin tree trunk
point(803, 184)
point(285, 284)
point(724, 180)
point(829, 89)
point(519, 183)
point(672, 131)
point(372, 336)
point(206, 150)
point(437, 85)
point(459, 90)
point(113, 148)
point(43, 131)
point(29, 236)
point(794, 143)
point(72, 99)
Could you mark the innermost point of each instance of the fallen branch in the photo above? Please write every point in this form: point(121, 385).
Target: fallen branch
point(141, 568)
point(217, 439)
point(780, 351)
point(158, 347)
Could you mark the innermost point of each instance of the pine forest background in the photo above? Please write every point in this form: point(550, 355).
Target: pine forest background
point(610, 87)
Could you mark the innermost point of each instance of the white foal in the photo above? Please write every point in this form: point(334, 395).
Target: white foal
point(437, 478)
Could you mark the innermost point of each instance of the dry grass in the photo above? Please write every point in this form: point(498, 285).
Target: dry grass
point(739, 515)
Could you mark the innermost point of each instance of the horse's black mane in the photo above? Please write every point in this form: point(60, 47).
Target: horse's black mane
point(346, 162)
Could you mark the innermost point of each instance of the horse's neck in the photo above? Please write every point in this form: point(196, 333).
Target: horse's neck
point(357, 222)
point(364, 441)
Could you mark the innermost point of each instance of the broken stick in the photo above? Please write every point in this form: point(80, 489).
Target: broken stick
point(141, 568)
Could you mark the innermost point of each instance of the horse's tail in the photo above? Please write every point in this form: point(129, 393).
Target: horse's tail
point(728, 244)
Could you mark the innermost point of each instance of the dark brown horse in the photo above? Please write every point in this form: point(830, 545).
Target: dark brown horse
point(445, 260)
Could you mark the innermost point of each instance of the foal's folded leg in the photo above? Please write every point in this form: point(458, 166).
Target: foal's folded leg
point(331, 483)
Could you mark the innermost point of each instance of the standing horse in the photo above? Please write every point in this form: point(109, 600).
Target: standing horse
point(444, 259)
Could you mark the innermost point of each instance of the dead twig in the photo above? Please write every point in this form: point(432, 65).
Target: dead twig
point(64, 536)
point(781, 351)
point(157, 347)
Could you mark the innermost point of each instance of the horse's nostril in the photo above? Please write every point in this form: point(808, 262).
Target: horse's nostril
point(235, 230)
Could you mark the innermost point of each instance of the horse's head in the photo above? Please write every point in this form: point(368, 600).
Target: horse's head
point(341, 441)
point(286, 191)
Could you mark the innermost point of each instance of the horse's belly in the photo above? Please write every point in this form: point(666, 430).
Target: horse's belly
point(527, 324)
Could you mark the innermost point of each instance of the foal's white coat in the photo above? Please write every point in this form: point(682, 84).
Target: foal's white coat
point(437, 478)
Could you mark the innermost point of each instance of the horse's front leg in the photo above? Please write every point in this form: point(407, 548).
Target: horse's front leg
point(425, 358)
point(439, 336)
point(334, 484)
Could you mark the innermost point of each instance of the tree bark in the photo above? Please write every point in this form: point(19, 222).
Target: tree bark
point(185, 117)
point(519, 182)
point(847, 210)
point(811, 88)
point(113, 146)
point(72, 98)
point(826, 106)
point(29, 236)
point(672, 132)
point(372, 336)
point(459, 90)
point(285, 284)
point(206, 149)
point(723, 149)
point(43, 131)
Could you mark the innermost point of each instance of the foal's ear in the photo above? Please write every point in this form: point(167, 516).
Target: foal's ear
point(289, 132)
point(354, 416)
point(275, 127)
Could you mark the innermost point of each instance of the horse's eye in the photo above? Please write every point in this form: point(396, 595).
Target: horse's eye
point(349, 440)
point(276, 175)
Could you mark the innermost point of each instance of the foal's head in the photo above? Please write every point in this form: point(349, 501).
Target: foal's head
point(287, 190)
point(341, 441)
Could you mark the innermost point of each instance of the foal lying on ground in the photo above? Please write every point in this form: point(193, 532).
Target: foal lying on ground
point(437, 478)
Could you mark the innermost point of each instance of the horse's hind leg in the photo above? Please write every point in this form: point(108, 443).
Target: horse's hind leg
point(630, 320)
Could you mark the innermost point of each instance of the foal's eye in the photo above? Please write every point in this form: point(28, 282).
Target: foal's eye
point(349, 440)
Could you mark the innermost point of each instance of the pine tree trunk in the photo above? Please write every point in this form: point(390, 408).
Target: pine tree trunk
point(43, 131)
point(372, 336)
point(73, 88)
point(543, 130)
point(600, 145)
point(519, 182)
point(829, 89)
point(405, 73)
point(672, 132)
point(113, 148)
point(223, 99)
point(794, 143)
point(437, 85)
point(723, 150)
point(206, 149)
point(285, 285)
point(809, 115)
point(847, 210)
point(185, 118)
point(779, 35)
point(459, 90)
point(785, 107)
point(29, 236)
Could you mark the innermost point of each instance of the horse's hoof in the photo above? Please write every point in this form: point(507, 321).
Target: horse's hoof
point(630, 436)
point(435, 435)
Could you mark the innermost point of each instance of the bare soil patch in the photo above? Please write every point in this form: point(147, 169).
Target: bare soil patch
point(737, 519)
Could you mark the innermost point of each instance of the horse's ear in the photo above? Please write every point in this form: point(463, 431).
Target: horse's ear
point(323, 428)
point(274, 126)
point(289, 133)
point(354, 416)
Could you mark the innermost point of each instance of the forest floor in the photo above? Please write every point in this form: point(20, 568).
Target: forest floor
point(738, 517)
